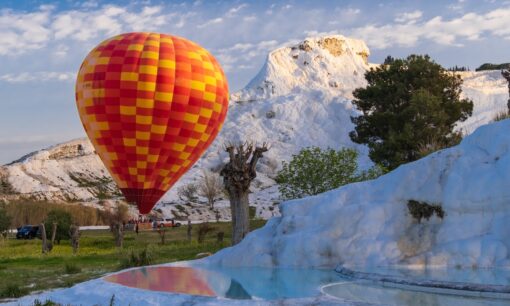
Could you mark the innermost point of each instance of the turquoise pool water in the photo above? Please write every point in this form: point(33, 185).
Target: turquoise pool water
point(495, 276)
point(293, 283)
point(232, 283)
point(375, 294)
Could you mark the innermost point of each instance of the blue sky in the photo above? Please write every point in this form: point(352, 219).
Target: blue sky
point(42, 44)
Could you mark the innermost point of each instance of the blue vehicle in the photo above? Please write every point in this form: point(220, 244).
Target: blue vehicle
point(28, 232)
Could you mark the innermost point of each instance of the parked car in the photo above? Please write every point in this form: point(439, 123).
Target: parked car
point(28, 232)
point(166, 223)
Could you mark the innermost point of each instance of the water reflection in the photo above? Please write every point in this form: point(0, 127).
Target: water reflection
point(282, 283)
point(171, 279)
point(366, 293)
point(233, 283)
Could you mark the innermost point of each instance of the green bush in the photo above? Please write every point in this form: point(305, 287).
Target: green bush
point(423, 210)
point(5, 221)
point(490, 66)
point(406, 105)
point(13, 291)
point(137, 259)
point(63, 220)
point(313, 171)
point(70, 268)
point(203, 230)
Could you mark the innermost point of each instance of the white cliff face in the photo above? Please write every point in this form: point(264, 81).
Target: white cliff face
point(301, 97)
point(369, 224)
point(489, 92)
point(334, 63)
point(65, 172)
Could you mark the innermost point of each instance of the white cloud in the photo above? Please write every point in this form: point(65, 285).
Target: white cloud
point(90, 4)
point(410, 17)
point(471, 26)
point(241, 47)
point(41, 76)
point(21, 32)
point(233, 11)
point(250, 18)
point(150, 19)
point(61, 50)
point(350, 11)
point(210, 22)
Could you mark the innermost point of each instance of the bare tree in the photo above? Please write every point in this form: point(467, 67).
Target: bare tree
point(45, 248)
point(238, 174)
point(188, 192)
point(74, 233)
point(189, 230)
point(117, 219)
point(210, 187)
point(118, 234)
point(53, 233)
point(162, 232)
point(506, 75)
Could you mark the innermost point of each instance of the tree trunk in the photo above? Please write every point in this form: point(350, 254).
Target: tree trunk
point(162, 232)
point(43, 238)
point(189, 231)
point(53, 233)
point(74, 232)
point(506, 75)
point(119, 234)
point(219, 237)
point(240, 216)
point(238, 174)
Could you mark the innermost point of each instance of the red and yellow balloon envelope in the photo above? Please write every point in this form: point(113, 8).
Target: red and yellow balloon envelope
point(151, 104)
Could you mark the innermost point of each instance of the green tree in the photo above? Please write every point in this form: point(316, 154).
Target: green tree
point(313, 171)
point(409, 106)
point(5, 221)
point(63, 220)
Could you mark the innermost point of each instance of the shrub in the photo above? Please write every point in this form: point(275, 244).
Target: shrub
point(313, 171)
point(137, 259)
point(34, 212)
point(70, 268)
point(13, 291)
point(203, 230)
point(5, 221)
point(423, 210)
point(63, 220)
point(45, 303)
point(490, 66)
point(188, 192)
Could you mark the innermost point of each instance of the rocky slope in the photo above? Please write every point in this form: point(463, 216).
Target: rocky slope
point(370, 224)
point(301, 97)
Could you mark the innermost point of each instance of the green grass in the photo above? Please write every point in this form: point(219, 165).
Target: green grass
point(23, 269)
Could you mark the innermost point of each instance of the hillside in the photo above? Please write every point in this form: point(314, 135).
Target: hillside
point(369, 223)
point(301, 97)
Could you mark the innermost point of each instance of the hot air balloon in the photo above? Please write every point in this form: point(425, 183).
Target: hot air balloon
point(151, 104)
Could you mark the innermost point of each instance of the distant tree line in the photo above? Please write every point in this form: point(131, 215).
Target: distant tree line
point(489, 66)
point(34, 212)
point(459, 68)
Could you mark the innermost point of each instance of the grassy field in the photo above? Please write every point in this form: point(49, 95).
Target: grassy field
point(24, 270)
